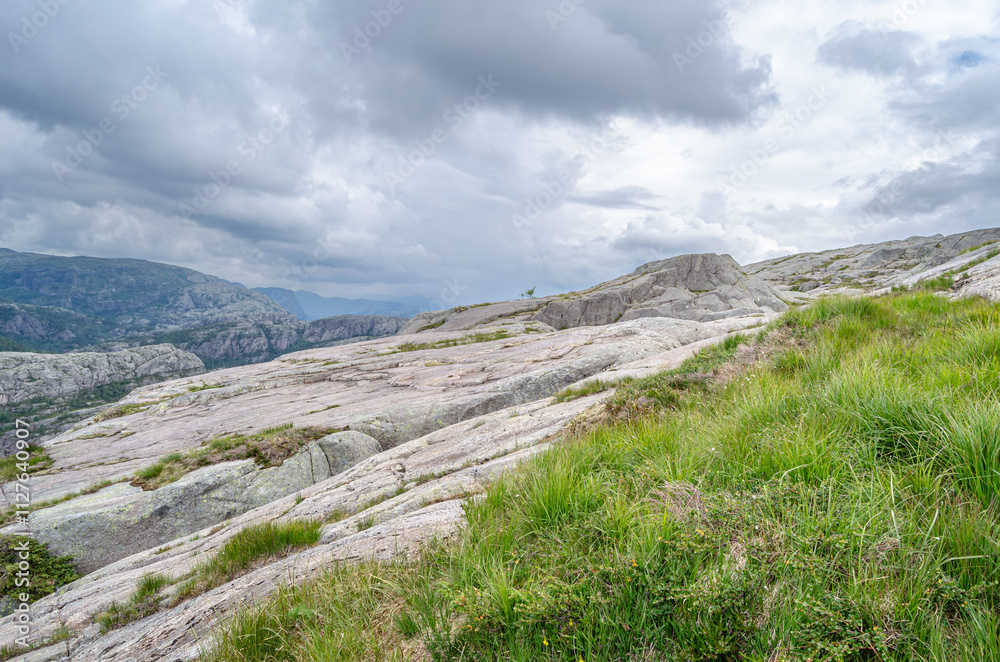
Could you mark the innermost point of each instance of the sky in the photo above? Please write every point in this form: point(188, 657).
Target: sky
point(465, 151)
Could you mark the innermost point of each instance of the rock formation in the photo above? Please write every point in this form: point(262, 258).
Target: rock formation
point(348, 327)
point(126, 519)
point(693, 287)
point(448, 418)
point(26, 376)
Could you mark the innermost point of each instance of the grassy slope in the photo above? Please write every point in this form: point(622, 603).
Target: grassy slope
point(836, 503)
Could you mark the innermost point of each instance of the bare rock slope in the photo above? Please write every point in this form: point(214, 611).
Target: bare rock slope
point(873, 266)
point(692, 287)
point(448, 420)
point(444, 411)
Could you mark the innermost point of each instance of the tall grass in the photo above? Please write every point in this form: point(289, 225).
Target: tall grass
point(839, 502)
point(250, 546)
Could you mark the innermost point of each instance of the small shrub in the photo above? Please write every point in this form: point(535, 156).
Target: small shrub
point(48, 572)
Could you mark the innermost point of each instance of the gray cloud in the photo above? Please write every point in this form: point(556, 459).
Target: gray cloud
point(311, 204)
point(878, 52)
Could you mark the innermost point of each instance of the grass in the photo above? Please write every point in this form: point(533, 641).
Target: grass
point(145, 601)
point(943, 283)
point(120, 411)
point(591, 388)
point(62, 633)
point(247, 549)
point(454, 342)
point(203, 387)
point(975, 263)
point(433, 325)
point(251, 546)
point(976, 248)
point(11, 467)
point(838, 501)
point(269, 448)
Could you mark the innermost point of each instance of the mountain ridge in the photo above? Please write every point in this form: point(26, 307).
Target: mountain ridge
point(60, 304)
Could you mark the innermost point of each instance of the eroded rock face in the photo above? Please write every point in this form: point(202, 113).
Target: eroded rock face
point(126, 520)
point(345, 327)
point(692, 287)
point(24, 376)
point(406, 495)
point(870, 266)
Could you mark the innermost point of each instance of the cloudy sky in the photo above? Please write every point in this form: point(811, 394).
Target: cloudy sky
point(468, 150)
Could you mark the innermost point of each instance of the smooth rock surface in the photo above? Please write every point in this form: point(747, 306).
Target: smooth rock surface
point(409, 495)
point(126, 520)
point(693, 287)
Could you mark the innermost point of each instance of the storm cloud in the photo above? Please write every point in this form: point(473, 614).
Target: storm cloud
point(398, 147)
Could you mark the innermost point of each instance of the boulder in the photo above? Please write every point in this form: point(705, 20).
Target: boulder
point(101, 528)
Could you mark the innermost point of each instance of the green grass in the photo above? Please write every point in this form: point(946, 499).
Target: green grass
point(837, 502)
point(433, 325)
point(269, 447)
point(11, 467)
point(251, 546)
point(144, 601)
point(976, 248)
point(120, 411)
point(454, 342)
point(62, 633)
point(975, 263)
point(942, 283)
point(591, 388)
point(203, 387)
point(247, 548)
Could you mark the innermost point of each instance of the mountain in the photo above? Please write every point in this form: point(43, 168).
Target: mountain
point(692, 287)
point(65, 304)
point(309, 306)
point(286, 299)
point(873, 266)
point(383, 445)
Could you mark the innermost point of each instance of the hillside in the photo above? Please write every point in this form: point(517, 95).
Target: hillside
point(670, 465)
point(60, 304)
point(309, 306)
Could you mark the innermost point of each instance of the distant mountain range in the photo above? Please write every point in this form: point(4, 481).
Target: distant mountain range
point(64, 304)
point(309, 306)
